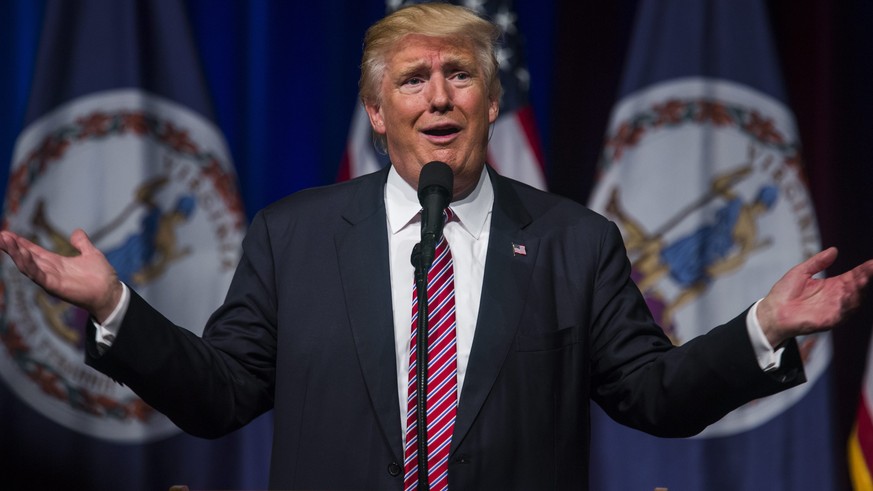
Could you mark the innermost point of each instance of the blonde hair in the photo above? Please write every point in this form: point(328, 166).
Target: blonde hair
point(440, 20)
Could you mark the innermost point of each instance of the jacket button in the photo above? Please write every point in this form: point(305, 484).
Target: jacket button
point(394, 469)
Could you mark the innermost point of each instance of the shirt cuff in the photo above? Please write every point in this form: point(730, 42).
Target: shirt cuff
point(106, 332)
point(768, 358)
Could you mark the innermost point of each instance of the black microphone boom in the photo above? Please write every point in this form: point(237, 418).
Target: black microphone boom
point(434, 193)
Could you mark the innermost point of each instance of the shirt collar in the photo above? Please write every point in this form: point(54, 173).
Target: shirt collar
point(402, 206)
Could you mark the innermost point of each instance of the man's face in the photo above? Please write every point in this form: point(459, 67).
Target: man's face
point(434, 105)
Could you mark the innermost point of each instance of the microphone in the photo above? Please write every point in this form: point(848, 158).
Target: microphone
point(434, 193)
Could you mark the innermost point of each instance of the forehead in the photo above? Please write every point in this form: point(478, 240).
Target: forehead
point(416, 49)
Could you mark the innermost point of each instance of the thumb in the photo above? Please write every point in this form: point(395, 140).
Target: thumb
point(819, 262)
point(79, 239)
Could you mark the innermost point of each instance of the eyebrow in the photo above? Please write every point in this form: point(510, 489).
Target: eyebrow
point(413, 68)
point(450, 62)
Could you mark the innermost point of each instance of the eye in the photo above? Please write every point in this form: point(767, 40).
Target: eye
point(412, 84)
point(461, 77)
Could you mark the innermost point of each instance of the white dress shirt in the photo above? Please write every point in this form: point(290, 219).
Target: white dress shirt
point(467, 237)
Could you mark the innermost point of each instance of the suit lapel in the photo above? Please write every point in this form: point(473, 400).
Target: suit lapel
point(362, 252)
point(503, 293)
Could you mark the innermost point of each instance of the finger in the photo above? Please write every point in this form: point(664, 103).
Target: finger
point(81, 242)
point(26, 255)
point(862, 273)
point(22, 257)
point(26, 244)
point(819, 262)
point(7, 239)
point(865, 268)
point(12, 247)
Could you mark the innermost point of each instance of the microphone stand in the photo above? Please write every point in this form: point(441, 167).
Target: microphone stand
point(434, 194)
point(419, 261)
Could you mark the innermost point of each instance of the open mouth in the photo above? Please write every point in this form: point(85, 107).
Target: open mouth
point(442, 131)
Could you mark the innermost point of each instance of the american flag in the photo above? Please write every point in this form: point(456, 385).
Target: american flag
point(514, 149)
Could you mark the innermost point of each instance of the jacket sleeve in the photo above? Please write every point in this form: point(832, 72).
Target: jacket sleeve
point(212, 385)
point(641, 380)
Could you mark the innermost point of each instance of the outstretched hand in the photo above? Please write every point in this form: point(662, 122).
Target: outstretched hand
point(86, 280)
point(800, 304)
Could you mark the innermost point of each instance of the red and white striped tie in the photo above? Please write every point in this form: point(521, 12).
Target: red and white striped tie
point(442, 374)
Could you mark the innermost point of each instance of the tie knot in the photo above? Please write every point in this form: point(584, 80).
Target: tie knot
point(448, 215)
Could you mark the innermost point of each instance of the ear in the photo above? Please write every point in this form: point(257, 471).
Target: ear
point(493, 110)
point(377, 121)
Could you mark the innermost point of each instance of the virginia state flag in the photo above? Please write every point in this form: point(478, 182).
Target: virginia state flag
point(701, 171)
point(117, 140)
point(514, 148)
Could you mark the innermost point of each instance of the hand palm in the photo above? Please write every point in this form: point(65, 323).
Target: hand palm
point(86, 280)
point(799, 303)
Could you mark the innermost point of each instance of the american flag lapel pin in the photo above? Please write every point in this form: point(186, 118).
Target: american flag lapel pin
point(518, 250)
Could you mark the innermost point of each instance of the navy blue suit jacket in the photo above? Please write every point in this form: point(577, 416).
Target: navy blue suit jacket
point(307, 330)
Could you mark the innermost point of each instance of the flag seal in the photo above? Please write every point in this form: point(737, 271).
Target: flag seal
point(151, 182)
point(703, 178)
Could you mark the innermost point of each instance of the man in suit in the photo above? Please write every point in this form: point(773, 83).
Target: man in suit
point(316, 323)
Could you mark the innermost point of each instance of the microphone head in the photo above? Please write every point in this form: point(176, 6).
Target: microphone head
point(436, 177)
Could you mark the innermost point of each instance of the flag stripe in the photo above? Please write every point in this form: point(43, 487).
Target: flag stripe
point(864, 429)
point(859, 464)
point(527, 120)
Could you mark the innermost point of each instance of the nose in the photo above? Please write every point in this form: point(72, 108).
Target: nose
point(440, 92)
